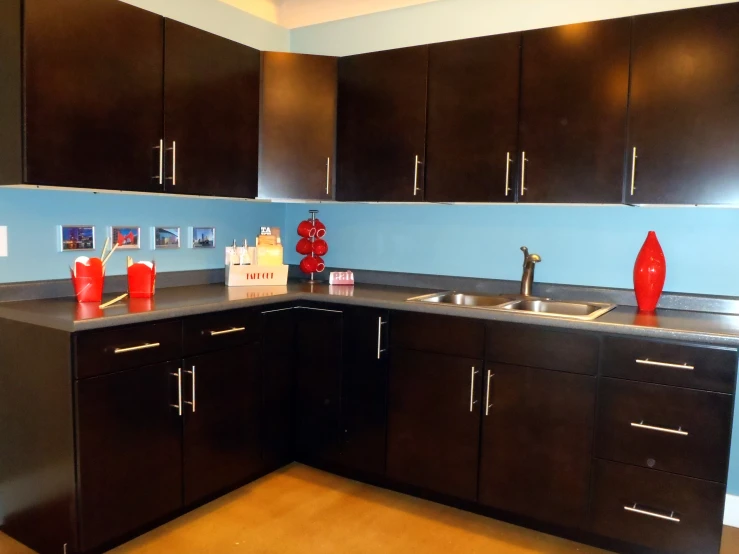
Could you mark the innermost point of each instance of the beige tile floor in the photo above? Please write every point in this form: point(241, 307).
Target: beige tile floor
point(300, 510)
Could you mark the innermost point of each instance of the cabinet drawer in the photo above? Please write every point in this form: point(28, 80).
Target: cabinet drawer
point(442, 334)
point(670, 363)
point(659, 510)
point(204, 333)
point(541, 347)
point(668, 428)
point(110, 350)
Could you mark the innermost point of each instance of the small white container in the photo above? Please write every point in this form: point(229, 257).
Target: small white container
point(255, 275)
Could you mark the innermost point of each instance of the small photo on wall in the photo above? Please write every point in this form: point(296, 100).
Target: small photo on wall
point(203, 237)
point(127, 238)
point(166, 237)
point(76, 237)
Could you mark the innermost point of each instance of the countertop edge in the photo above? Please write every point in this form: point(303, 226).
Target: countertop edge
point(8, 312)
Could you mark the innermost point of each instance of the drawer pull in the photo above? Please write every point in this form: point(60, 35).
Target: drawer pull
point(678, 431)
point(136, 348)
point(647, 361)
point(227, 331)
point(472, 387)
point(636, 510)
point(178, 406)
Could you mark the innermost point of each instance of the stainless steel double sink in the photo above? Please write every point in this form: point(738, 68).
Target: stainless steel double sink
point(585, 311)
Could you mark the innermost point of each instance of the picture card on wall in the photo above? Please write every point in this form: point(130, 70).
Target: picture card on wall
point(165, 237)
point(75, 237)
point(126, 237)
point(203, 237)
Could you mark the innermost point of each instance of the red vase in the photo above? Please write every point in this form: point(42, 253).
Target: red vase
point(649, 274)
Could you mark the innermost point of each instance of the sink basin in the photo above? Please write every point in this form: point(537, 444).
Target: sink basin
point(460, 299)
point(586, 311)
point(553, 308)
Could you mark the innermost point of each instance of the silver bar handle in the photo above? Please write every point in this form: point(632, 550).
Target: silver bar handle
point(328, 176)
point(488, 405)
point(415, 176)
point(161, 162)
point(179, 390)
point(524, 159)
point(227, 331)
point(318, 309)
point(277, 310)
point(636, 510)
point(472, 387)
point(508, 161)
point(647, 361)
point(173, 178)
point(136, 348)
point(678, 431)
point(193, 389)
point(380, 323)
point(633, 171)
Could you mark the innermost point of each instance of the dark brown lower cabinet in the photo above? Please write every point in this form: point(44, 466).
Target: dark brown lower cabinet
point(434, 422)
point(656, 509)
point(222, 396)
point(317, 411)
point(278, 359)
point(537, 433)
point(364, 389)
point(129, 447)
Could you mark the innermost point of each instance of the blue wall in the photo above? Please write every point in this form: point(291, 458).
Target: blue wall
point(32, 217)
point(581, 245)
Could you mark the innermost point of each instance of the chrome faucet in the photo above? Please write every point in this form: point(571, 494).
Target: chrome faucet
point(527, 279)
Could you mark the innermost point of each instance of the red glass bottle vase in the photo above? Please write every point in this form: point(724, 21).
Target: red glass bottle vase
point(650, 269)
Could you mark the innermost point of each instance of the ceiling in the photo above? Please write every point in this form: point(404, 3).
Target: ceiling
point(299, 13)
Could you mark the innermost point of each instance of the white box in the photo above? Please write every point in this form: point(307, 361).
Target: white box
point(256, 275)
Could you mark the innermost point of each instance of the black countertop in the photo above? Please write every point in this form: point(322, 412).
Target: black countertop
point(67, 315)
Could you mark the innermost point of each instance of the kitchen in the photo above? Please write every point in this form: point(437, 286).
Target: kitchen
point(434, 140)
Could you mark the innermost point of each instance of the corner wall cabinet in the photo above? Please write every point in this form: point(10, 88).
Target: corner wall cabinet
point(601, 438)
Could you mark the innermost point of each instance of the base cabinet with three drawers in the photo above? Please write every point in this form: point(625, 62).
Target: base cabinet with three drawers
point(617, 441)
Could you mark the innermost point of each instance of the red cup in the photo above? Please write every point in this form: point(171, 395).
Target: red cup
point(320, 229)
point(320, 247)
point(304, 247)
point(141, 280)
point(306, 229)
point(320, 264)
point(308, 265)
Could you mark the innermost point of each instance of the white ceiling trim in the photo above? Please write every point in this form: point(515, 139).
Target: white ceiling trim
point(301, 13)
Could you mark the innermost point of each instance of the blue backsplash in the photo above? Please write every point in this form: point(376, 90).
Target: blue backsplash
point(32, 217)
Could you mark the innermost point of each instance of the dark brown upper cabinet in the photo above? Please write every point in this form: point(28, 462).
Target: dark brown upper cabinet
point(574, 91)
point(473, 95)
point(92, 83)
point(211, 103)
point(684, 110)
point(381, 127)
point(298, 126)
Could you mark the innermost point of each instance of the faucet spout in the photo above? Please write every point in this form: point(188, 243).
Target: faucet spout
point(527, 279)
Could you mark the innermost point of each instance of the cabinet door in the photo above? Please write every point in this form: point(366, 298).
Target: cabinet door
point(93, 94)
point(684, 108)
point(318, 342)
point(129, 448)
point(536, 443)
point(574, 90)
point(298, 126)
point(211, 103)
point(364, 389)
point(222, 393)
point(381, 127)
point(473, 119)
point(278, 360)
point(434, 422)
